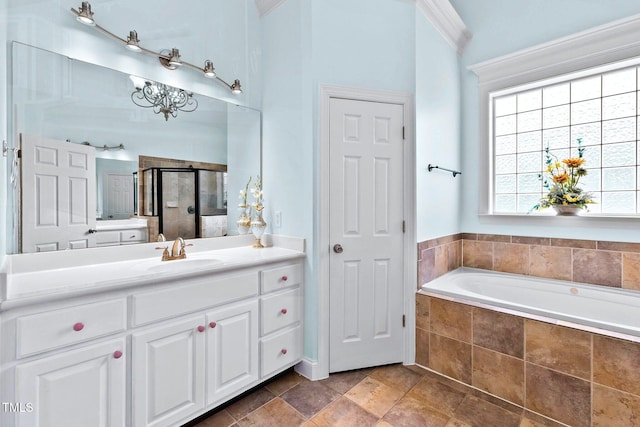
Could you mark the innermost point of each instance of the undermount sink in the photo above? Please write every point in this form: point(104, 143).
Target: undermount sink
point(180, 265)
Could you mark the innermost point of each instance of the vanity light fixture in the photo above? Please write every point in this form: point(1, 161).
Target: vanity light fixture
point(85, 15)
point(169, 59)
point(209, 71)
point(133, 43)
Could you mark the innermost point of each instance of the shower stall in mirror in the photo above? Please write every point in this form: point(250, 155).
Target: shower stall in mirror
point(185, 200)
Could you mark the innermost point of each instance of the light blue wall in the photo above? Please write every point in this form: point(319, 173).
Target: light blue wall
point(287, 140)
point(437, 133)
point(501, 27)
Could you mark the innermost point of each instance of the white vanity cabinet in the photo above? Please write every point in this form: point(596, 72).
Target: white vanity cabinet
point(157, 353)
point(185, 365)
point(168, 367)
point(78, 388)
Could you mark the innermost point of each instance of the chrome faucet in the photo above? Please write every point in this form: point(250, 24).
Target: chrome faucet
point(177, 250)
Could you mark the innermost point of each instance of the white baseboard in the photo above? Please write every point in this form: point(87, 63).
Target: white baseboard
point(310, 369)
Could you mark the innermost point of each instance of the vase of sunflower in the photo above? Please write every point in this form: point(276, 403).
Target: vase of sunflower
point(561, 179)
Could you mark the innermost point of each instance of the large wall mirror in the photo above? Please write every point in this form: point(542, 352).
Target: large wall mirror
point(82, 106)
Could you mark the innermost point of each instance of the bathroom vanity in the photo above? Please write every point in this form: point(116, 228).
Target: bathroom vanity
point(132, 340)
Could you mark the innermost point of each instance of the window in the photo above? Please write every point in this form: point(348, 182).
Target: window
point(599, 106)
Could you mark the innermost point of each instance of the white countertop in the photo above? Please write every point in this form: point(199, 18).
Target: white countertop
point(23, 283)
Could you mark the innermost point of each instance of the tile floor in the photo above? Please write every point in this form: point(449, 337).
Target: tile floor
point(393, 395)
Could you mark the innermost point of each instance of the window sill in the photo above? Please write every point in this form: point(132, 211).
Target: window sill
point(547, 217)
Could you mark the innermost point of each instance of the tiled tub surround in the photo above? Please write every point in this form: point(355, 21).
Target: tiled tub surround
point(603, 263)
point(574, 377)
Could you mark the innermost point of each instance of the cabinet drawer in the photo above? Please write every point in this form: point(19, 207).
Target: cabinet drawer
point(279, 310)
point(280, 278)
point(193, 295)
point(280, 350)
point(44, 331)
point(131, 236)
point(108, 237)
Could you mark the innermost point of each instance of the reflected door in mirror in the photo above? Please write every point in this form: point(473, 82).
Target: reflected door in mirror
point(58, 195)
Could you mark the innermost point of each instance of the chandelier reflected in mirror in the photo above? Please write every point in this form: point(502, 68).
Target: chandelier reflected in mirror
point(163, 99)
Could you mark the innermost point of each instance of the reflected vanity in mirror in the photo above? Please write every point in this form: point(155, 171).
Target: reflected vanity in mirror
point(88, 110)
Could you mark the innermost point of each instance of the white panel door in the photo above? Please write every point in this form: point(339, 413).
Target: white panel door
point(58, 195)
point(119, 196)
point(232, 350)
point(79, 388)
point(168, 371)
point(366, 229)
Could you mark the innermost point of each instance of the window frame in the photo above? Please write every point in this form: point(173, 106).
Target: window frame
point(577, 54)
point(631, 63)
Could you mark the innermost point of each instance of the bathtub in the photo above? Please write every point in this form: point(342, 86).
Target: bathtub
point(604, 310)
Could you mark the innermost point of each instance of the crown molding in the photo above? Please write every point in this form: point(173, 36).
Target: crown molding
point(266, 6)
point(447, 21)
point(611, 42)
point(439, 12)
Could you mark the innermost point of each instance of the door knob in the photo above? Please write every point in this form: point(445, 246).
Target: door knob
point(92, 230)
point(337, 248)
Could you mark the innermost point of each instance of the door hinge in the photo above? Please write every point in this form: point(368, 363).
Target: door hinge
point(404, 226)
point(402, 132)
point(404, 320)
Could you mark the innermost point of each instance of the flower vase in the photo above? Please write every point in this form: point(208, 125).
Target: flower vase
point(244, 222)
point(257, 228)
point(567, 210)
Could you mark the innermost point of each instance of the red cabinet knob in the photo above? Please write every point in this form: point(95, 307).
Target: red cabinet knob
point(117, 354)
point(283, 311)
point(78, 327)
point(201, 328)
point(283, 351)
point(213, 324)
point(285, 278)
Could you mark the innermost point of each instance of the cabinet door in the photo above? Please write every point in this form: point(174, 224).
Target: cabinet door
point(232, 350)
point(168, 372)
point(79, 388)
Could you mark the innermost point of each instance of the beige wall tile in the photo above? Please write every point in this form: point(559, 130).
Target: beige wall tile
point(454, 255)
point(558, 396)
point(597, 267)
point(616, 363)
point(450, 357)
point(556, 347)
point(500, 332)
point(426, 267)
point(619, 246)
point(543, 241)
point(423, 302)
point(494, 238)
point(631, 271)
point(498, 374)
point(477, 254)
point(550, 261)
point(574, 243)
point(511, 258)
point(612, 408)
point(450, 319)
point(441, 261)
point(422, 347)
